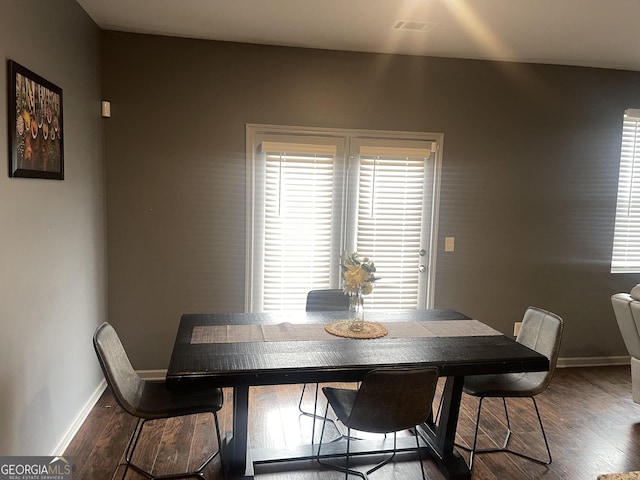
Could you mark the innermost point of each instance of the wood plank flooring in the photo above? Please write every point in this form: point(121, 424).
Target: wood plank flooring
point(592, 425)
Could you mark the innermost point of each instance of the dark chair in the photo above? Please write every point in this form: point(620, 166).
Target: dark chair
point(541, 331)
point(388, 400)
point(150, 400)
point(330, 300)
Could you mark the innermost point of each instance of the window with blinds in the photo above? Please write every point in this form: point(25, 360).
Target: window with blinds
point(315, 196)
point(389, 221)
point(626, 241)
point(297, 223)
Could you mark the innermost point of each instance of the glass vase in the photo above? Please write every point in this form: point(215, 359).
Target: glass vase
point(356, 311)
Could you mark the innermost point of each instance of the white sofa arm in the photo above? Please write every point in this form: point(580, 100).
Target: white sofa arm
point(627, 311)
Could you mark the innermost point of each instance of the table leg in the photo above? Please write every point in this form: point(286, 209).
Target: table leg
point(441, 437)
point(236, 454)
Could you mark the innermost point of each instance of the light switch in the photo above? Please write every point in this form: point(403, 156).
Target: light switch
point(449, 244)
point(106, 109)
point(516, 328)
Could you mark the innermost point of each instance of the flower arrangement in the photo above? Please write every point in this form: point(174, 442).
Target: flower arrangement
point(358, 274)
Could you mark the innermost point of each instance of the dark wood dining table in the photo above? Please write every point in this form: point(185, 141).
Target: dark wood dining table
point(241, 350)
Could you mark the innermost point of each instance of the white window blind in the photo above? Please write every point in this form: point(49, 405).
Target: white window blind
point(626, 242)
point(390, 221)
point(297, 222)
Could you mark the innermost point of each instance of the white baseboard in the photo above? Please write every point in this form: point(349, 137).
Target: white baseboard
point(78, 420)
point(83, 413)
point(593, 361)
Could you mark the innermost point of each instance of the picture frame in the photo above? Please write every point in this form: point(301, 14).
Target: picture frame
point(36, 145)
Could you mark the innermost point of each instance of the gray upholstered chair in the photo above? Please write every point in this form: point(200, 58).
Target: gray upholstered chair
point(329, 300)
point(541, 331)
point(627, 309)
point(150, 400)
point(388, 400)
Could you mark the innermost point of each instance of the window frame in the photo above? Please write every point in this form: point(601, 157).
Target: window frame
point(254, 182)
point(627, 215)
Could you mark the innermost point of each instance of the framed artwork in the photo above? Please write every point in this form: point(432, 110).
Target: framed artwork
point(35, 125)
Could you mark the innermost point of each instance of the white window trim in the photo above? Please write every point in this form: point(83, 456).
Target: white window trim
point(626, 241)
point(251, 149)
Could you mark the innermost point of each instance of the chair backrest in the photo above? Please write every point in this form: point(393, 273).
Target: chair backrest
point(123, 380)
point(542, 331)
point(627, 310)
point(330, 300)
point(390, 400)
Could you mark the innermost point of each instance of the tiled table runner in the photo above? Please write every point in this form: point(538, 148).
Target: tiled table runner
point(292, 331)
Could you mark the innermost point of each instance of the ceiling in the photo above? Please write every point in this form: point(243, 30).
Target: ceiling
point(592, 33)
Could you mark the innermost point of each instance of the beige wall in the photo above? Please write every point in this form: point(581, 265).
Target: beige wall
point(52, 236)
point(528, 186)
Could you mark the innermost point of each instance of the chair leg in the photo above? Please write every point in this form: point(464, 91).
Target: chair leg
point(133, 442)
point(204, 464)
point(415, 432)
point(474, 451)
point(348, 438)
point(315, 411)
point(131, 446)
point(219, 438)
point(346, 465)
point(314, 415)
point(339, 468)
point(475, 435)
point(304, 388)
point(324, 423)
point(381, 464)
point(315, 404)
point(544, 437)
point(389, 458)
point(506, 416)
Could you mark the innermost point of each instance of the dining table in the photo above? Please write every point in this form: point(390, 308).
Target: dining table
point(243, 350)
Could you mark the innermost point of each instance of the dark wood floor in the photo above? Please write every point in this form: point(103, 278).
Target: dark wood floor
point(592, 425)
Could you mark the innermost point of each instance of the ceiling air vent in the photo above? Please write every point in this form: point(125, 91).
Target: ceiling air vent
point(415, 26)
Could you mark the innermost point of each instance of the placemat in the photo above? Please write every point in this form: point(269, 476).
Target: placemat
point(340, 328)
